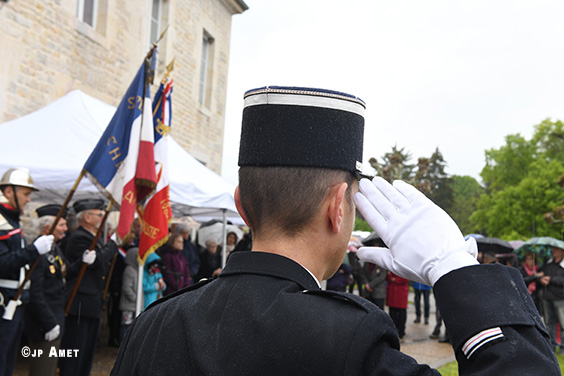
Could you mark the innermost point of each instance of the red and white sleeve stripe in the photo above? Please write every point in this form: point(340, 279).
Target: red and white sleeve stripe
point(480, 339)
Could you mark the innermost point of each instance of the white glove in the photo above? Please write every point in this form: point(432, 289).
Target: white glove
point(115, 239)
point(88, 257)
point(424, 242)
point(53, 334)
point(43, 244)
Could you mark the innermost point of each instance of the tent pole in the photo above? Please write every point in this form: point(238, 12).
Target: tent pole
point(224, 248)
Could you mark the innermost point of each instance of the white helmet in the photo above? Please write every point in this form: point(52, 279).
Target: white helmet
point(18, 176)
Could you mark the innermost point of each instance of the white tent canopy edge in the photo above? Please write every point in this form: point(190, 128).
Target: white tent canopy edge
point(54, 143)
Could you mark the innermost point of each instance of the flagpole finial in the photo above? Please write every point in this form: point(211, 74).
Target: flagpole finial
point(162, 34)
point(154, 45)
point(169, 68)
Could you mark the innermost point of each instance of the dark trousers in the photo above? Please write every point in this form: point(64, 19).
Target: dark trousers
point(80, 334)
point(358, 283)
point(417, 301)
point(378, 302)
point(10, 337)
point(399, 317)
point(44, 364)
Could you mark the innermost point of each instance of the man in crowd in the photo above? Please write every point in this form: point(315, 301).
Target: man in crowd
point(44, 316)
point(300, 155)
point(16, 186)
point(553, 292)
point(83, 320)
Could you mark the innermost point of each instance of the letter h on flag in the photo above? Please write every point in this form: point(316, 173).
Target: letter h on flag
point(122, 163)
point(156, 214)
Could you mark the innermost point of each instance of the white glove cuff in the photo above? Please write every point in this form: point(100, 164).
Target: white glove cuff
point(456, 260)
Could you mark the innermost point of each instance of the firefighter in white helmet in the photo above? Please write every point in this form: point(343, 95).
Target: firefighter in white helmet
point(16, 186)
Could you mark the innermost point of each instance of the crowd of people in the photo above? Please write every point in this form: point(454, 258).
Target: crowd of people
point(46, 317)
point(543, 278)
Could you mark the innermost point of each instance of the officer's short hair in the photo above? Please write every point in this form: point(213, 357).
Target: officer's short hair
point(287, 198)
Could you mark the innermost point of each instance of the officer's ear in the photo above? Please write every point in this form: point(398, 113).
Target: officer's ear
point(8, 192)
point(336, 207)
point(239, 207)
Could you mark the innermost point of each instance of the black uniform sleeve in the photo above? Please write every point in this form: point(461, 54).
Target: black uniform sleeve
point(375, 350)
point(38, 304)
point(13, 259)
point(493, 324)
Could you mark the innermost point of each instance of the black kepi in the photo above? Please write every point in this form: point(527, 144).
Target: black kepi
point(50, 209)
point(302, 127)
point(88, 204)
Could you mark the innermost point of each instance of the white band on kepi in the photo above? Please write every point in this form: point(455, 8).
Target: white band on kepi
point(335, 103)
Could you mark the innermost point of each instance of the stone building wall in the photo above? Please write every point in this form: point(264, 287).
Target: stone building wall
point(45, 52)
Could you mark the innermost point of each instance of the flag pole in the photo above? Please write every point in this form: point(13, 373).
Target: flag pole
point(8, 315)
point(139, 301)
point(84, 265)
point(224, 237)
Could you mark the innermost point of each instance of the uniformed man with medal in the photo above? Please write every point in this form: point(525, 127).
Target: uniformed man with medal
point(44, 316)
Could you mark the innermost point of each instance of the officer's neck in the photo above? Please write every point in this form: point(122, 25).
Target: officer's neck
point(309, 252)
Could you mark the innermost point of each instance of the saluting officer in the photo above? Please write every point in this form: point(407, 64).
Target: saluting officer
point(300, 156)
point(16, 186)
point(44, 316)
point(83, 320)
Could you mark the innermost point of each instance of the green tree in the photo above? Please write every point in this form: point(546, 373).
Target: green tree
point(428, 175)
point(509, 164)
point(394, 165)
point(467, 191)
point(521, 180)
point(438, 183)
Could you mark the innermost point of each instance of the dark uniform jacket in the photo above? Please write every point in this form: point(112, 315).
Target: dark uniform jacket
point(47, 301)
point(265, 315)
point(88, 299)
point(14, 254)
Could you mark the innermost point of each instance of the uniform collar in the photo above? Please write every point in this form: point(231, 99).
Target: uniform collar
point(263, 263)
point(9, 211)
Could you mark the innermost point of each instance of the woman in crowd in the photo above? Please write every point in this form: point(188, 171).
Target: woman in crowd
point(176, 269)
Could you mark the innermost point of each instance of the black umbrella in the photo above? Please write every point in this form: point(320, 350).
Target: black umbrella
point(493, 245)
point(373, 240)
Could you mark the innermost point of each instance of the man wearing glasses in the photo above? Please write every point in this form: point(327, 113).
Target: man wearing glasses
point(83, 320)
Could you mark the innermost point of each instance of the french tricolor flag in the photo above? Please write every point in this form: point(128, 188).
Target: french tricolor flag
point(125, 145)
point(156, 213)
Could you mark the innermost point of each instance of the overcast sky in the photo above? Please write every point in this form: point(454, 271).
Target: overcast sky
point(457, 75)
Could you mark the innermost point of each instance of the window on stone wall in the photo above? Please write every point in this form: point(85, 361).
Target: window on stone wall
point(155, 26)
point(206, 70)
point(87, 12)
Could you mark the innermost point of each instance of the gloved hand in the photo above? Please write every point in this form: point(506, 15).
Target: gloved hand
point(115, 239)
point(88, 257)
point(43, 244)
point(53, 334)
point(424, 242)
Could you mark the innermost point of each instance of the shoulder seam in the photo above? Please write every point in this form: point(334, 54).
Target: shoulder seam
point(341, 296)
point(179, 292)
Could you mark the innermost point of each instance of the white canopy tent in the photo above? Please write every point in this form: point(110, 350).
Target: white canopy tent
point(55, 142)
